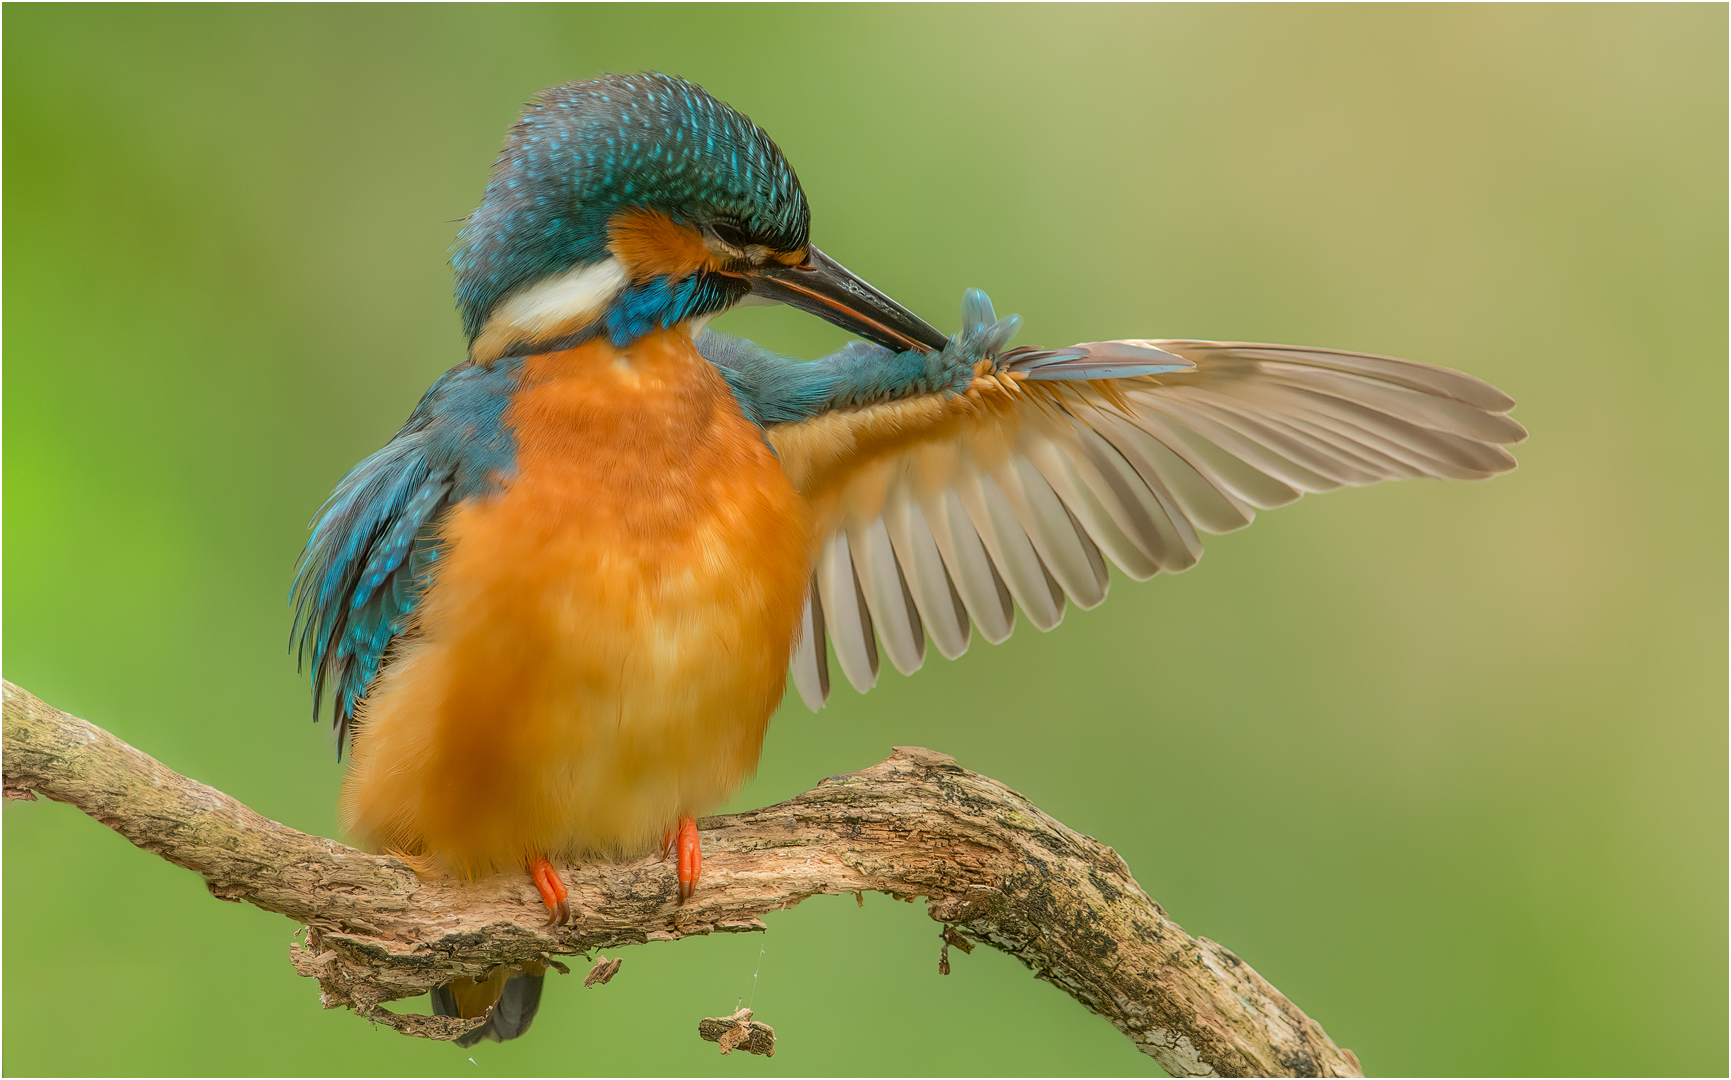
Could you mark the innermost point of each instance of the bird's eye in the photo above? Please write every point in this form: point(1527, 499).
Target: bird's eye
point(731, 235)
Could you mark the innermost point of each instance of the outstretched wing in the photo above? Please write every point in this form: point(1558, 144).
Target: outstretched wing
point(943, 513)
point(375, 543)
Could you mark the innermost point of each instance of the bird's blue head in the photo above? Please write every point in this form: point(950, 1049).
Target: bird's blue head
point(636, 202)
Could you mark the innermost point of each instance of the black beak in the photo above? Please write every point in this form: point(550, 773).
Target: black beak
point(828, 290)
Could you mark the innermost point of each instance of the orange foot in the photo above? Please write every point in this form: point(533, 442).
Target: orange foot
point(552, 890)
point(690, 855)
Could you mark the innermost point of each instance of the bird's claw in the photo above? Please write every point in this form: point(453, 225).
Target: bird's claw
point(552, 890)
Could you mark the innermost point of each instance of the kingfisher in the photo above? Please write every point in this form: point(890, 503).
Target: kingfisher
point(557, 609)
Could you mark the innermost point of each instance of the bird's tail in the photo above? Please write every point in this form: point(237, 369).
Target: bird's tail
point(507, 998)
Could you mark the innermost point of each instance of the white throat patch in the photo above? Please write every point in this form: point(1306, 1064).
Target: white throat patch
point(550, 308)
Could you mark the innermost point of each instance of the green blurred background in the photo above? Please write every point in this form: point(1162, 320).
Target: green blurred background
point(1445, 762)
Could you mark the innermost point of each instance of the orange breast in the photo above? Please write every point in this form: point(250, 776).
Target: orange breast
point(607, 637)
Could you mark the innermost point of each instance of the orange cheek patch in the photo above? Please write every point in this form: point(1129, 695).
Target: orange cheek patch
point(649, 243)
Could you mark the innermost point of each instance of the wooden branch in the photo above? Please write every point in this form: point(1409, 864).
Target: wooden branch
point(994, 869)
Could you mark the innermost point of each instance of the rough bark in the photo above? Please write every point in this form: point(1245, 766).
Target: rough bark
point(992, 867)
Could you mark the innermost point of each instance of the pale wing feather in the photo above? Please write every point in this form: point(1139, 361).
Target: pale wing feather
point(984, 594)
point(811, 654)
point(1172, 544)
point(940, 609)
point(940, 512)
point(1064, 550)
point(1009, 548)
point(847, 617)
point(1067, 475)
point(892, 608)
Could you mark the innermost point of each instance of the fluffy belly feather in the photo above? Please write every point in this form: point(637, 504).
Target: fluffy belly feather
point(607, 637)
